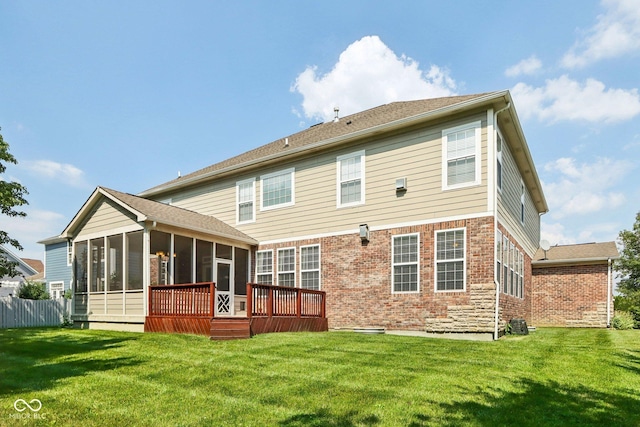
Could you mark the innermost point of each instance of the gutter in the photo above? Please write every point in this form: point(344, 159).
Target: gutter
point(572, 261)
point(495, 225)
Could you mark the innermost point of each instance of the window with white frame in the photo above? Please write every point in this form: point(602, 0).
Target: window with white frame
point(245, 201)
point(498, 257)
point(56, 290)
point(450, 260)
point(351, 179)
point(277, 189)
point(287, 267)
point(512, 262)
point(405, 249)
point(499, 160)
point(505, 264)
point(69, 253)
point(264, 267)
point(310, 267)
point(461, 156)
point(510, 266)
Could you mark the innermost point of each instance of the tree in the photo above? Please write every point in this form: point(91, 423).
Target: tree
point(628, 267)
point(33, 290)
point(11, 195)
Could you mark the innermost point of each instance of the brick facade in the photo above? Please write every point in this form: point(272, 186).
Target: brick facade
point(357, 279)
point(570, 295)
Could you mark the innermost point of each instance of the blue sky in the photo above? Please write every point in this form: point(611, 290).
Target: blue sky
point(125, 94)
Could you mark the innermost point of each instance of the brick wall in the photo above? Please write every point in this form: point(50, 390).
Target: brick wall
point(573, 295)
point(357, 279)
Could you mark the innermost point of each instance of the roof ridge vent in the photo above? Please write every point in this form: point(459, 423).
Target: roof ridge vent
point(336, 117)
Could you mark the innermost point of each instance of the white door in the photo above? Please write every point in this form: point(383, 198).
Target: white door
point(224, 296)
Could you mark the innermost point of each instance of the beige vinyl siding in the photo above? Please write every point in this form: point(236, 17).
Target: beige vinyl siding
point(96, 303)
point(416, 155)
point(114, 303)
point(509, 204)
point(134, 303)
point(106, 216)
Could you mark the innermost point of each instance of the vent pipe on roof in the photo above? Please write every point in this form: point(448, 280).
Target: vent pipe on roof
point(336, 118)
point(286, 142)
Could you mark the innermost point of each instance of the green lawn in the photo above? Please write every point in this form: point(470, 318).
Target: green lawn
point(554, 377)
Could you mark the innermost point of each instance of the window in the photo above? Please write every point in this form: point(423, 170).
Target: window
point(264, 267)
point(287, 267)
point(461, 156)
point(498, 256)
point(310, 267)
point(450, 260)
point(510, 266)
point(56, 290)
point(512, 262)
point(405, 263)
point(277, 189)
point(115, 262)
point(69, 253)
point(80, 267)
point(505, 264)
point(97, 269)
point(351, 179)
point(134, 260)
point(499, 161)
point(245, 201)
point(522, 202)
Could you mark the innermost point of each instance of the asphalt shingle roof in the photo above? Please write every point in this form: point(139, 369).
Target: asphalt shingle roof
point(580, 252)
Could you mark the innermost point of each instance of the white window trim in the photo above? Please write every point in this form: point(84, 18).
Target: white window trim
point(69, 253)
point(312, 270)
point(277, 266)
point(477, 125)
point(523, 206)
point(393, 264)
point(437, 262)
point(253, 215)
point(290, 171)
point(499, 173)
point(339, 160)
point(272, 266)
point(59, 284)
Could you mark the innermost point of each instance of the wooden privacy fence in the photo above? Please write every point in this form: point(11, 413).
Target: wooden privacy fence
point(23, 313)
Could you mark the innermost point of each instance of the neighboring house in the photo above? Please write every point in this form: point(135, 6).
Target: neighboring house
point(57, 265)
point(573, 285)
point(419, 215)
point(28, 269)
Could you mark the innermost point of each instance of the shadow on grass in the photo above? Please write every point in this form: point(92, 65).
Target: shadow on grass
point(538, 404)
point(630, 361)
point(324, 418)
point(34, 359)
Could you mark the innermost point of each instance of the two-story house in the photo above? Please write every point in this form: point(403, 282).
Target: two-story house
point(419, 215)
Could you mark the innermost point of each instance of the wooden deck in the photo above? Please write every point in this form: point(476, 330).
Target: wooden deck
point(190, 309)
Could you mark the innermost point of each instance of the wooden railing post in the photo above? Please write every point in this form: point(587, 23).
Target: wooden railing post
point(270, 302)
point(212, 299)
point(249, 300)
point(323, 305)
point(298, 303)
point(150, 301)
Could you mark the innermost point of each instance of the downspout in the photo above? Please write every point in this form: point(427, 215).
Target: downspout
point(495, 224)
point(609, 292)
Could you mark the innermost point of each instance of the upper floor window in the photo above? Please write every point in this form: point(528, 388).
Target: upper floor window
point(450, 260)
point(69, 253)
point(351, 179)
point(277, 189)
point(405, 263)
point(245, 201)
point(522, 202)
point(461, 156)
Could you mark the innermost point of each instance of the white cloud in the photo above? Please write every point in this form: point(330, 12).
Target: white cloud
point(37, 225)
point(564, 99)
point(616, 33)
point(526, 66)
point(64, 172)
point(578, 189)
point(366, 75)
point(555, 234)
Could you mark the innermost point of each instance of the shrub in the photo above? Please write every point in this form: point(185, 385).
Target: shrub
point(33, 290)
point(623, 320)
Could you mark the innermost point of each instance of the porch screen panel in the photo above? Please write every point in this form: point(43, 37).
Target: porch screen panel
point(241, 270)
point(134, 264)
point(204, 261)
point(183, 259)
point(97, 265)
point(80, 266)
point(160, 246)
point(115, 261)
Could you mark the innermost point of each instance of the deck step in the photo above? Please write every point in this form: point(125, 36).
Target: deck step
point(228, 328)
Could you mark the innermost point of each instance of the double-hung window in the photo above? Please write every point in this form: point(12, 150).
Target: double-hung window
point(264, 267)
point(405, 251)
point(450, 260)
point(350, 180)
point(277, 189)
point(310, 267)
point(287, 267)
point(461, 156)
point(246, 201)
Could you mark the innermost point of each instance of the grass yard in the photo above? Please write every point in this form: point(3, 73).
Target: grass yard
point(554, 377)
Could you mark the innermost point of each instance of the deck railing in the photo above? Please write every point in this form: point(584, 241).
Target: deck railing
point(274, 301)
point(187, 300)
